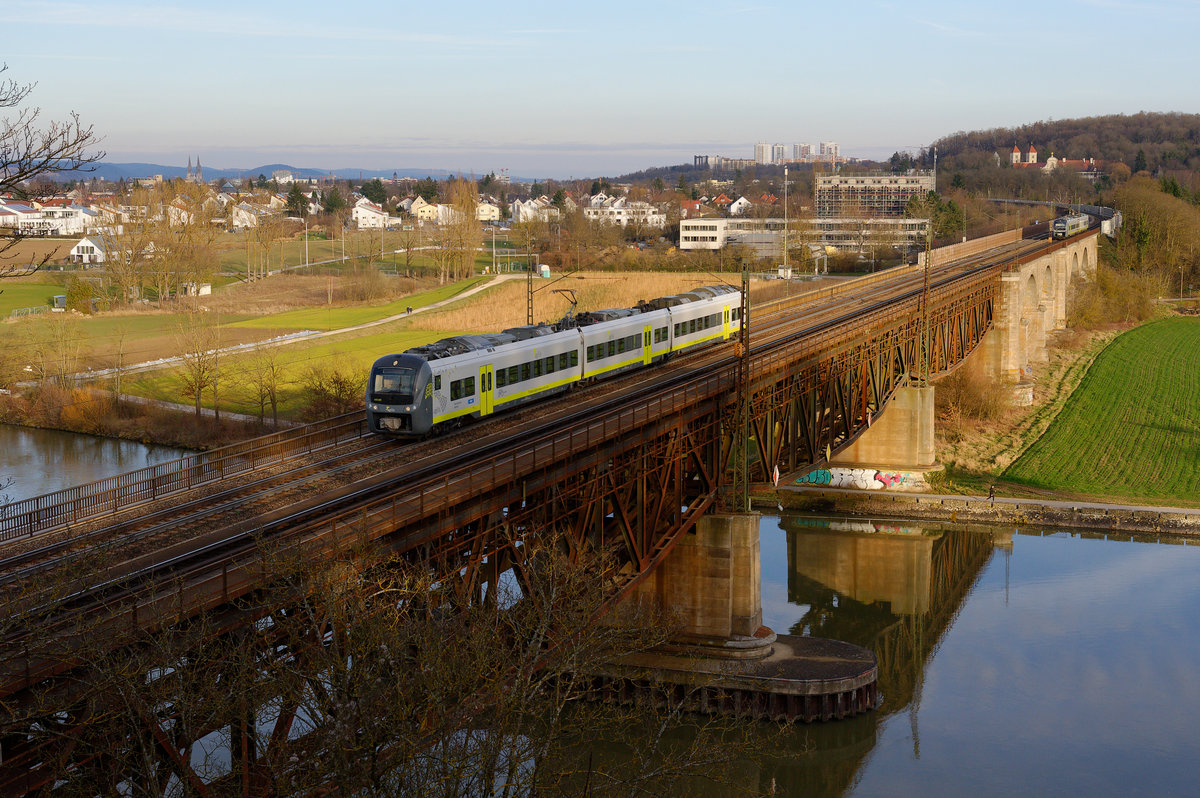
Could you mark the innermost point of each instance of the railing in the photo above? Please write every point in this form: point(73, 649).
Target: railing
point(113, 494)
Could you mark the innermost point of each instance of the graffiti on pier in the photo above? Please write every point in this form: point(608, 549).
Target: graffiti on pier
point(860, 478)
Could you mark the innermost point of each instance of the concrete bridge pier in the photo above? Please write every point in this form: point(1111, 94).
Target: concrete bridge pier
point(901, 438)
point(712, 581)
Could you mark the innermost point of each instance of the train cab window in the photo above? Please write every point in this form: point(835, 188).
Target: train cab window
point(469, 386)
point(395, 381)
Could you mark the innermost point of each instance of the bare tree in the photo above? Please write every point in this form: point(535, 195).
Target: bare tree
point(264, 371)
point(199, 341)
point(29, 152)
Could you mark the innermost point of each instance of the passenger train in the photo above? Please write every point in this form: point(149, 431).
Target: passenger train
point(471, 376)
point(1067, 226)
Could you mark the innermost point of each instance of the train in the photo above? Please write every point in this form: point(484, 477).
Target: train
point(429, 388)
point(1067, 226)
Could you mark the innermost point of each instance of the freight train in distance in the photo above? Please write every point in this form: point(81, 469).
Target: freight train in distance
point(1067, 226)
point(431, 387)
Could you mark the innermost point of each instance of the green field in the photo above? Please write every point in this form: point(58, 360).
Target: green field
point(352, 356)
point(26, 295)
point(336, 318)
point(1131, 430)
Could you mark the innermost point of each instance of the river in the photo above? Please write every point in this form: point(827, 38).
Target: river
point(1012, 661)
point(40, 461)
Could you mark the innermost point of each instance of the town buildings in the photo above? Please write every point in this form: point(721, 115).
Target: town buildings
point(869, 195)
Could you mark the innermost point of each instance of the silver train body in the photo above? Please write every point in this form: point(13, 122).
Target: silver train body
point(472, 376)
point(1067, 226)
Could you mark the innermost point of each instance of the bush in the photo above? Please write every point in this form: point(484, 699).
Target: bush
point(1114, 297)
point(328, 391)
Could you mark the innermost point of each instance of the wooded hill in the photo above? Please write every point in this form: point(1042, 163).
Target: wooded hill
point(1163, 140)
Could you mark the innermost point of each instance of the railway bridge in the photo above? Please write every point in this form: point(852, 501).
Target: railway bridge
point(835, 372)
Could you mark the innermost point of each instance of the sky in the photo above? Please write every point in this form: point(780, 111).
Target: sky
point(581, 89)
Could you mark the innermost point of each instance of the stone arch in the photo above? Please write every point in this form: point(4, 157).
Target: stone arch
point(1047, 293)
point(1075, 272)
point(1087, 266)
point(1030, 294)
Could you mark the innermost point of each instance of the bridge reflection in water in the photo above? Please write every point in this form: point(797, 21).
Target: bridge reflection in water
point(893, 587)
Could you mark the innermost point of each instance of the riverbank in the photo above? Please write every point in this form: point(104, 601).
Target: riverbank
point(1132, 518)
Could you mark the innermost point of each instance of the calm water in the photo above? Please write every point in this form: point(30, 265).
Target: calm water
point(1012, 662)
point(40, 461)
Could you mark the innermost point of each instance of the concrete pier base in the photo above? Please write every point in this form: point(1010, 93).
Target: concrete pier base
point(712, 582)
point(723, 660)
point(900, 439)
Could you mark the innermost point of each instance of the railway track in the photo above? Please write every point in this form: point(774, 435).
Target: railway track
point(129, 547)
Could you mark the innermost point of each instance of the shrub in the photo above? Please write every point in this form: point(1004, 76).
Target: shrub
point(328, 391)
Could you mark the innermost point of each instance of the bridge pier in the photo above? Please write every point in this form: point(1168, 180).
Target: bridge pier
point(724, 661)
point(712, 582)
point(901, 438)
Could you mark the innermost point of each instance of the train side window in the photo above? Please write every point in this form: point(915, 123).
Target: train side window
point(469, 386)
point(574, 357)
point(437, 382)
point(525, 372)
point(692, 326)
point(501, 378)
point(612, 348)
point(550, 365)
point(513, 377)
point(537, 368)
point(620, 345)
point(562, 360)
point(455, 390)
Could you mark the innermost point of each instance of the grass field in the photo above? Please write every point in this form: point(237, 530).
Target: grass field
point(349, 355)
point(1131, 430)
point(15, 295)
point(334, 318)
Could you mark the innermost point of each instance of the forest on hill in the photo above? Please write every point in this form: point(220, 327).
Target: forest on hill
point(1143, 141)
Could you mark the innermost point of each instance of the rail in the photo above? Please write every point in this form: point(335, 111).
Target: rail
point(111, 495)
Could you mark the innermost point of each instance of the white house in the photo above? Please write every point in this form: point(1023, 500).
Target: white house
point(487, 212)
point(739, 206)
point(282, 176)
point(534, 209)
point(423, 210)
point(89, 249)
point(367, 214)
point(617, 210)
point(245, 215)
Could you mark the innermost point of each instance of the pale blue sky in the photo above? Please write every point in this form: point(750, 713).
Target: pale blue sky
point(571, 88)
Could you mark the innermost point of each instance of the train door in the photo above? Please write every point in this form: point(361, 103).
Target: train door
point(726, 327)
point(647, 336)
point(485, 390)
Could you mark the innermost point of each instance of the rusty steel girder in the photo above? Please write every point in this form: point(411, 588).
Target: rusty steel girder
point(628, 481)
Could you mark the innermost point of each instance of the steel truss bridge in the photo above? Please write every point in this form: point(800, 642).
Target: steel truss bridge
point(627, 473)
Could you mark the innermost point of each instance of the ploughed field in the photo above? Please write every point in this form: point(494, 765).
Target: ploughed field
point(1131, 430)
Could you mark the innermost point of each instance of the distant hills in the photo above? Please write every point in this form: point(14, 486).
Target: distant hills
point(128, 171)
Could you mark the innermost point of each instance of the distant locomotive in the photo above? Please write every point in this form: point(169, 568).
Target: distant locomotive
point(472, 376)
point(1067, 226)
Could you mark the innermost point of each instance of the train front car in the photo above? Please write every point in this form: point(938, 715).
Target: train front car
point(400, 396)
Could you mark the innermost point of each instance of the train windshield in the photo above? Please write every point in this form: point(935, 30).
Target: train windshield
point(1060, 224)
point(394, 385)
